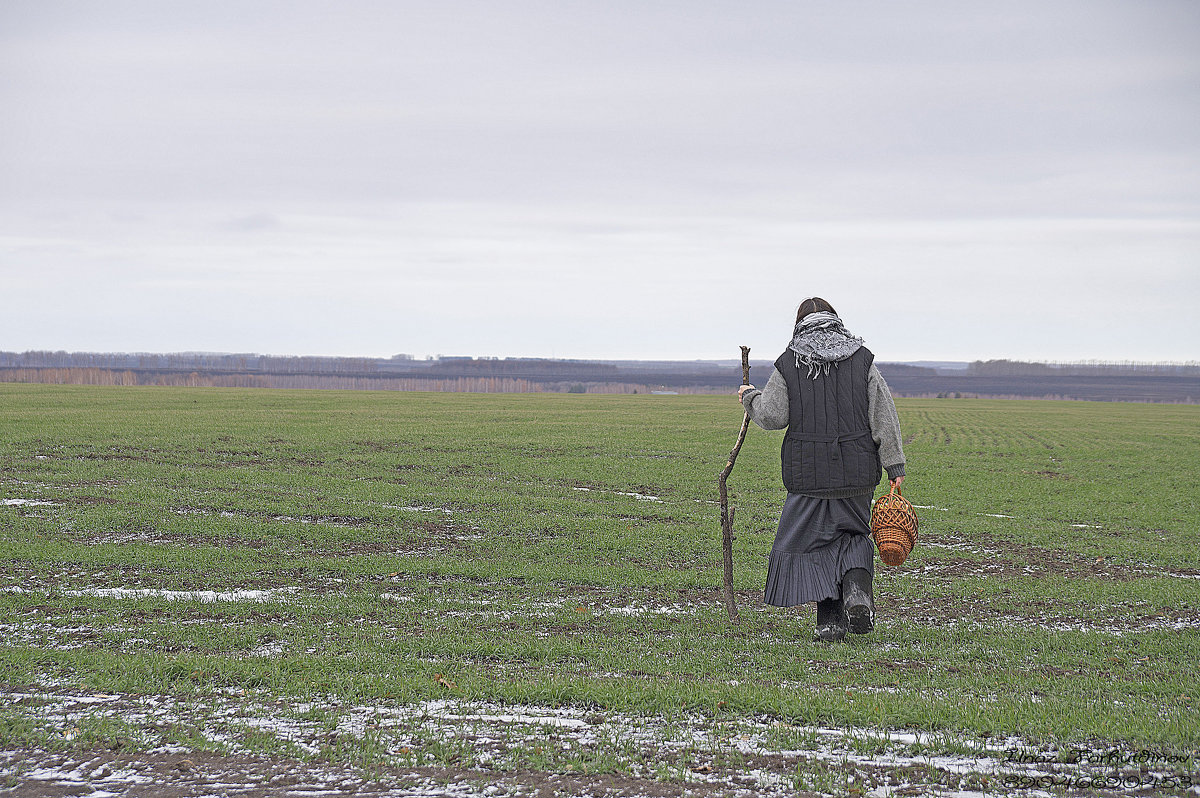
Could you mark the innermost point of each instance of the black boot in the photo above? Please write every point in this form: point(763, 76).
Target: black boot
point(831, 621)
point(859, 600)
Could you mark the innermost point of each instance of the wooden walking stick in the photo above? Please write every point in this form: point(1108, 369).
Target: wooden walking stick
point(726, 512)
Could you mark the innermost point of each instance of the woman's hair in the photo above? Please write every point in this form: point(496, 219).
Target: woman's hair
point(813, 304)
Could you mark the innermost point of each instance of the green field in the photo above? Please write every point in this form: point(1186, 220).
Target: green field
point(403, 588)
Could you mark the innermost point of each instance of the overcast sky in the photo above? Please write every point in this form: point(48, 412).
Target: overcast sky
point(962, 180)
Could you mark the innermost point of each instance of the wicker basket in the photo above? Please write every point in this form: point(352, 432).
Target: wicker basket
point(894, 526)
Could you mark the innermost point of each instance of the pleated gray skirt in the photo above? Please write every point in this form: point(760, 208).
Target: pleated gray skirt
point(818, 541)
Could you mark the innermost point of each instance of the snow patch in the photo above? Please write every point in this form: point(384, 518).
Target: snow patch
point(643, 496)
point(203, 596)
point(416, 508)
point(491, 732)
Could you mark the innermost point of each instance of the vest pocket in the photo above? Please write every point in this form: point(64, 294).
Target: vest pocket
point(817, 461)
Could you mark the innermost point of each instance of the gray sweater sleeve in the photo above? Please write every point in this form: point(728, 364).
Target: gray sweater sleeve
point(768, 408)
point(885, 424)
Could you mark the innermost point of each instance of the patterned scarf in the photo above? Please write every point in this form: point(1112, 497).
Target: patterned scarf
point(821, 340)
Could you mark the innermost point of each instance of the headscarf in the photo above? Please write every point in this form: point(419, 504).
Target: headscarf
point(820, 341)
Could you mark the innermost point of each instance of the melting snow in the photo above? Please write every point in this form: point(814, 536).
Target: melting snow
point(541, 716)
point(492, 730)
point(1168, 574)
point(180, 595)
point(639, 609)
point(643, 496)
point(416, 508)
point(169, 595)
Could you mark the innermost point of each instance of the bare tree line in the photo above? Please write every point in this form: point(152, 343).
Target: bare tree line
point(1096, 381)
point(539, 369)
point(1084, 368)
point(191, 361)
point(198, 379)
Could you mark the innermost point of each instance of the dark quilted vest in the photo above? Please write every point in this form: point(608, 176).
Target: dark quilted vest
point(828, 449)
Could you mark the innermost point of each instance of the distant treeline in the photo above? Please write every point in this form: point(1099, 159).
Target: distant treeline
point(531, 367)
point(1086, 368)
point(208, 379)
point(189, 361)
point(439, 368)
point(1102, 388)
point(1098, 381)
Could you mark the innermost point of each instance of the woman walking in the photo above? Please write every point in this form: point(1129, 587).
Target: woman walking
point(842, 431)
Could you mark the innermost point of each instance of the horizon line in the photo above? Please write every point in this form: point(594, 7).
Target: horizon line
point(406, 357)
